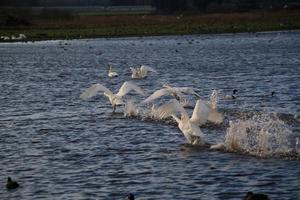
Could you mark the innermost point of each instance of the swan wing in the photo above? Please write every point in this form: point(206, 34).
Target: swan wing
point(94, 90)
point(186, 90)
point(196, 131)
point(127, 87)
point(215, 116)
point(132, 69)
point(169, 109)
point(200, 113)
point(145, 69)
point(156, 95)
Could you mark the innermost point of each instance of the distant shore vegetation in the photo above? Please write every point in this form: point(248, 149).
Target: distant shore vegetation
point(42, 23)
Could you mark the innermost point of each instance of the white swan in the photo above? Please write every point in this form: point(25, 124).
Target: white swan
point(130, 109)
point(115, 99)
point(111, 73)
point(189, 127)
point(203, 111)
point(5, 38)
point(176, 92)
point(139, 73)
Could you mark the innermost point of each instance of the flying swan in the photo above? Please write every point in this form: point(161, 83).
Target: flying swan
point(139, 73)
point(115, 99)
point(176, 92)
point(188, 126)
point(203, 111)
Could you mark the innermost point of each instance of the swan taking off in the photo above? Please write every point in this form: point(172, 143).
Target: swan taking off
point(188, 126)
point(139, 73)
point(176, 92)
point(203, 111)
point(111, 73)
point(115, 99)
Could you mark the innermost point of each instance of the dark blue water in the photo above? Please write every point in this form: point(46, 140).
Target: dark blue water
point(58, 146)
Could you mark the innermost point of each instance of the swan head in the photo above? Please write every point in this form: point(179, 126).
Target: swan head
point(234, 91)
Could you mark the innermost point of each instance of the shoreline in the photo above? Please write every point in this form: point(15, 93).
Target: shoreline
point(90, 27)
point(148, 36)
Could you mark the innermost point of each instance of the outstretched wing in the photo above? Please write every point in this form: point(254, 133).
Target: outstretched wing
point(145, 69)
point(170, 108)
point(186, 90)
point(215, 117)
point(200, 113)
point(93, 91)
point(127, 87)
point(156, 95)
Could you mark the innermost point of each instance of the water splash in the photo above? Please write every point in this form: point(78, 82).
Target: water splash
point(214, 97)
point(262, 135)
point(130, 109)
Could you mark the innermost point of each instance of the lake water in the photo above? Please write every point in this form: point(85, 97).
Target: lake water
point(58, 146)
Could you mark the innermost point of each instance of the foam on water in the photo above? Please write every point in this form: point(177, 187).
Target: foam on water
point(262, 135)
point(130, 109)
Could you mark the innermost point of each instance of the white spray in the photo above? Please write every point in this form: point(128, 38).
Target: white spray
point(262, 135)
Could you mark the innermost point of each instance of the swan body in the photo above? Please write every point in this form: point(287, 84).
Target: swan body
point(190, 130)
point(5, 38)
point(111, 73)
point(189, 127)
point(115, 99)
point(207, 110)
point(139, 73)
point(176, 92)
point(130, 109)
point(203, 111)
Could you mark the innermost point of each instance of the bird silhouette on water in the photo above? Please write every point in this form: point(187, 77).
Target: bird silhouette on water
point(252, 196)
point(11, 184)
point(272, 94)
point(130, 196)
point(233, 95)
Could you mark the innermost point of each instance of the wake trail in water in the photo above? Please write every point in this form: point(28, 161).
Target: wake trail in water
point(259, 134)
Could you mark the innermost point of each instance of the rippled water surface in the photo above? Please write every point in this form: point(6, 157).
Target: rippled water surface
point(60, 147)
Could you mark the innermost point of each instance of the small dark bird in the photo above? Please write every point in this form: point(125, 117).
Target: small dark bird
point(233, 93)
point(11, 184)
point(252, 196)
point(130, 196)
point(272, 93)
point(232, 96)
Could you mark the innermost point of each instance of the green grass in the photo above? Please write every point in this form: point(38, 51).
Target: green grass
point(172, 27)
point(110, 13)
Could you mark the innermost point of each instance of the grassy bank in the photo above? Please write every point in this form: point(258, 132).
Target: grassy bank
point(147, 25)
